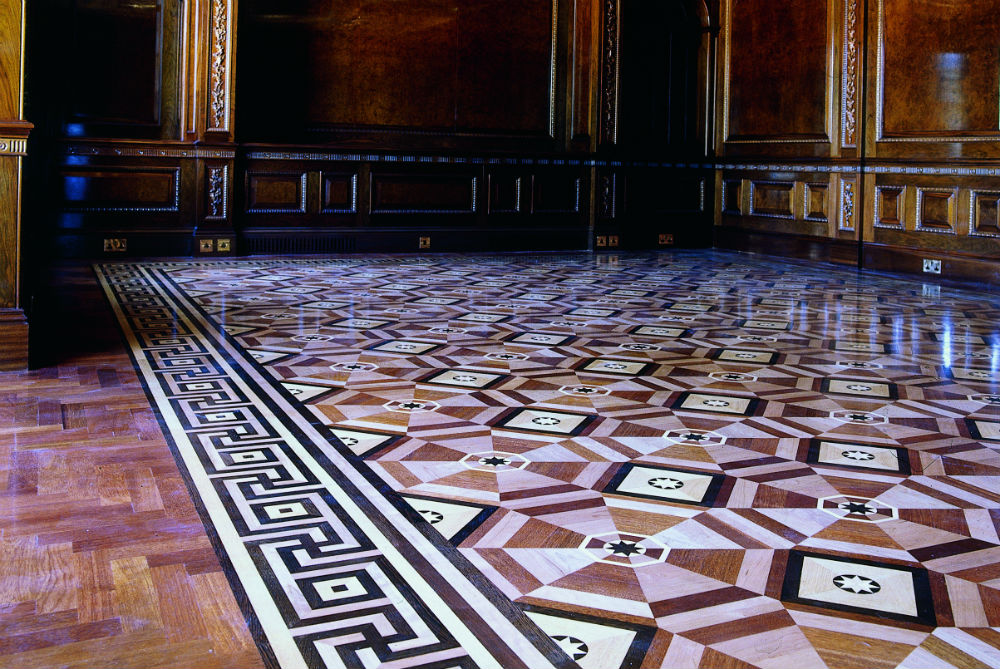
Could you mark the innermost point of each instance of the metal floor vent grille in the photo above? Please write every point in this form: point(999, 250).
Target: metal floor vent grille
point(300, 244)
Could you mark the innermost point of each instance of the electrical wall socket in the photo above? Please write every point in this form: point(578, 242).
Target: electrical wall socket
point(666, 240)
point(602, 240)
point(424, 243)
point(932, 266)
point(612, 240)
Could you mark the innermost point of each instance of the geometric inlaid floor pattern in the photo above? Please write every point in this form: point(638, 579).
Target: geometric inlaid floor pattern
point(690, 459)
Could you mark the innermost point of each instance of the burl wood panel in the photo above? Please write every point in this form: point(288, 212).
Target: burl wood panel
point(556, 192)
point(504, 65)
point(778, 68)
point(416, 193)
point(105, 561)
point(121, 188)
point(937, 210)
point(985, 213)
point(267, 193)
point(10, 60)
point(771, 199)
point(941, 61)
point(403, 64)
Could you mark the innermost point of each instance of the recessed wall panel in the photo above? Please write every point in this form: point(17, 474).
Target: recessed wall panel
point(777, 67)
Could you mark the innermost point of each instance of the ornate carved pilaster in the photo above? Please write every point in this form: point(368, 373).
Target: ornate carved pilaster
point(220, 64)
point(217, 188)
point(848, 204)
point(607, 194)
point(849, 75)
point(13, 146)
point(609, 74)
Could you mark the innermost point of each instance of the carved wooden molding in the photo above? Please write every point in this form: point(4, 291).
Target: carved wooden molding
point(849, 112)
point(13, 146)
point(848, 207)
point(607, 190)
point(217, 178)
point(609, 73)
point(133, 152)
point(219, 65)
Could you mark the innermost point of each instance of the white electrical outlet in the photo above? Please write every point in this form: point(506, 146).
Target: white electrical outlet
point(932, 266)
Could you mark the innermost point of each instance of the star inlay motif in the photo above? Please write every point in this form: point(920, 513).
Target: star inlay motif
point(859, 585)
point(624, 548)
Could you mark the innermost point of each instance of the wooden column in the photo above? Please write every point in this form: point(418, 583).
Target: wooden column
point(13, 147)
point(210, 58)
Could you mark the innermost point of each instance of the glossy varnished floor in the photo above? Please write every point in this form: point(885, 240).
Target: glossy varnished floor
point(103, 559)
point(674, 460)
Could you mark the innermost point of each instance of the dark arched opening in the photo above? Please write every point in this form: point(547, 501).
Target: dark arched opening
point(663, 61)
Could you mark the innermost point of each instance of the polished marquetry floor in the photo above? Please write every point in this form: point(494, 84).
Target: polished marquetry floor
point(689, 459)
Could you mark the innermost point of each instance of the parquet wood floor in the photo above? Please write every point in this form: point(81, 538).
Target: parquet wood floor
point(104, 561)
point(686, 460)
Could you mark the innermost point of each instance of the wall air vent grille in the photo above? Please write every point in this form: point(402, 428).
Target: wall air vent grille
point(269, 245)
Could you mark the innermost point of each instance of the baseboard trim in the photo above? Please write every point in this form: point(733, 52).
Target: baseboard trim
point(954, 267)
point(820, 249)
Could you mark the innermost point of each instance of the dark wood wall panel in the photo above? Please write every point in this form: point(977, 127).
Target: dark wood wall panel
point(350, 205)
point(504, 65)
point(110, 68)
point(380, 63)
point(343, 124)
point(556, 192)
point(276, 193)
point(423, 194)
point(945, 52)
point(338, 192)
point(121, 189)
point(773, 199)
point(936, 213)
point(934, 86)
point(777, 69)
point(798, 203)
point(116, 65)
point(505, 193)
point(397, 66)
